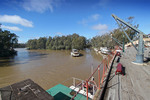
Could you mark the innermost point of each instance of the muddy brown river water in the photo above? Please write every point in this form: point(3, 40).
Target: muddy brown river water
point(47, 67)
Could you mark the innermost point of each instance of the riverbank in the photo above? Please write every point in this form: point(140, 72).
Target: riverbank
point(135, 84)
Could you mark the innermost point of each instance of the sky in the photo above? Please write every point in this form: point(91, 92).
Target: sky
point(31, 19)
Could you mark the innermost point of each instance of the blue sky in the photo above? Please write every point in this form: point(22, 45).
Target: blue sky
point(31, 19)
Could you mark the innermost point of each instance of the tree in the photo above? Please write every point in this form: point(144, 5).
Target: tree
point(58, 43)
point(79, 43)
point(20, 45)
point(41, 43)
point(68, 43)
point(32, 44)
point(49, 43)
point(7, 43)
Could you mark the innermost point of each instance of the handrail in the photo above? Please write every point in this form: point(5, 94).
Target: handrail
point(76, 93)
point(94, 72)
point(105, 62)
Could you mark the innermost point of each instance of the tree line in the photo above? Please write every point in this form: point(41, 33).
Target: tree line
point(79, 42)
point(7, 42)
point(20, 45)
point(58, 42)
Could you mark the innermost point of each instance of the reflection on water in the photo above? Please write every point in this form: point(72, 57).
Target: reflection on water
point(46, 67)
point(23, 56)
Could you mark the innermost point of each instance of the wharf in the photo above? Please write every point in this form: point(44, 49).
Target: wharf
point(135, 84)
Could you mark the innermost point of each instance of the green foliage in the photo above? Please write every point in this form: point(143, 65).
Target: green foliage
point(32, 44)
point(20, 45)
point(79, 42)
point(7, 42)
point(102, 41)
point(49, 43)
point(41, 43)
point(58, 43)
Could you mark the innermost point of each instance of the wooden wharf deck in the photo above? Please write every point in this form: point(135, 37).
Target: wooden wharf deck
point(135, 84)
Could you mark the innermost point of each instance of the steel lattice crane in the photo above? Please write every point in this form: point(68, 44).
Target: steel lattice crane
point(140, 49)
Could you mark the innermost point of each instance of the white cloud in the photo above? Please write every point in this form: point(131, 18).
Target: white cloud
point(95, 17)
point(89, 19)
point(100, 27)
point(59, 33)
point(14, 28)
point(15, 19)
point(39, 5)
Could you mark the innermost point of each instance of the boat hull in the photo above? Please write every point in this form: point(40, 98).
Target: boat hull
point(75, 54)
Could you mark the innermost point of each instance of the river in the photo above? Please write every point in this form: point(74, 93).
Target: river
point(47, 67)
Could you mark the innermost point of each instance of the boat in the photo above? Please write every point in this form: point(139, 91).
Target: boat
point(24, 90)
point(75, 53)
point(29, 90)
point(104, 50)
point(77, 91)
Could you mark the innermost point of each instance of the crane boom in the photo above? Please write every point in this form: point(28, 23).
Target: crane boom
point(140, 49)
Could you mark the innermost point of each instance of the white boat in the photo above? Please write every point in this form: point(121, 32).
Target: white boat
point(81, 87)
point(104, 50)
point(79, 90)
point(75, 53)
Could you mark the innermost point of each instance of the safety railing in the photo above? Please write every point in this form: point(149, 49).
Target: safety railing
point(105, 67)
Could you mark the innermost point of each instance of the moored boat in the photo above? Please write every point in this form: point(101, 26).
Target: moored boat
point(77, 91)
point(104, 50)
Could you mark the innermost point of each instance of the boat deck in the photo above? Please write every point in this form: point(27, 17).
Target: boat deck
point(24, 90)
point(61, 92)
